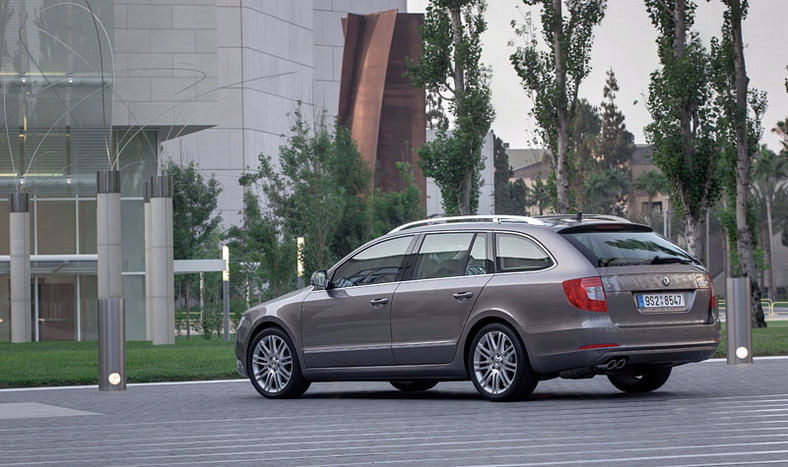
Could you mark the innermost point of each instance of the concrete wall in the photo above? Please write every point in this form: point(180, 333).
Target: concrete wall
point(165, 64)
point(281, 52)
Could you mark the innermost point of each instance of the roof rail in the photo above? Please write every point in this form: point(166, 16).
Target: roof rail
point(574, 217)
point(478, 218)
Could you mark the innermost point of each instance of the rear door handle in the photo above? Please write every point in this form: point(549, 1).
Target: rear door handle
point(379, 302)
point(460, 296)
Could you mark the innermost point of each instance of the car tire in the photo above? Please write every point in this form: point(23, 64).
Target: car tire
point(273, 365)
point(414, 385)
point(498, 364)
point(645, 381)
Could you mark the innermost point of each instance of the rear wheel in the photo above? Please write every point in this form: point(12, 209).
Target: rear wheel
point(498, 364)
point(642, 381)
point(414, 385)
point(275, 371)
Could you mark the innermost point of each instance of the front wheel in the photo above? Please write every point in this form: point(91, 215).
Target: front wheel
point(414, 385)
point(498, 364)
point(275, 371)
point(643, 381)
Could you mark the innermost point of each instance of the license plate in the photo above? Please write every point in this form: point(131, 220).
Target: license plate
point(660, 300)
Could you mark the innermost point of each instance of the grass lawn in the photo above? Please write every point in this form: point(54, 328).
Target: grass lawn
point(772, 340)
point(76, 363)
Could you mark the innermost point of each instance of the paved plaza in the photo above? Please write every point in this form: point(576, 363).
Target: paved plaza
point(707, 414)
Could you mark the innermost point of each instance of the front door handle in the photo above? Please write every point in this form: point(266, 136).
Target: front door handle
point(460, 296)
point(379, 302)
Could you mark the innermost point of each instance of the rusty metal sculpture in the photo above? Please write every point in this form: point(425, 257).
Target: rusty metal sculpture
point(383, 110)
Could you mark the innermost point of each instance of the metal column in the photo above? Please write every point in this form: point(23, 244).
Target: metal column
point(112, 334)
point(738, 320)
point(148, 291)
point(162, 291)
point(19, 233)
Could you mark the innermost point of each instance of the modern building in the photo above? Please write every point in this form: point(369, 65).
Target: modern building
point(209, 81)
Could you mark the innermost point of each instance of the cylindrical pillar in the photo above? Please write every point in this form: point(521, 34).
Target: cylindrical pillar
point(161, 259)
point(148, 306)
point(112, 348)
point(738, 320)
point(226, 291)
point(19, 233)
point(112, 326)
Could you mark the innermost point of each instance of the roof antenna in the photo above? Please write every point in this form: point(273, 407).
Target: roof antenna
point(579, 217)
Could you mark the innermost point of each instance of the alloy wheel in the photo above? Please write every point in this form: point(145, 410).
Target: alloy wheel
point(495, 362)
point(272, 363)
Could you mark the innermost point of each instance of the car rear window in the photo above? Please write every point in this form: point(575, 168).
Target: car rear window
point(606, 248)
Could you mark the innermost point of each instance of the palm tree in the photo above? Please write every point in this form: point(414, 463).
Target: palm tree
point(652, 183)
point(781, 129)
point(770, 169)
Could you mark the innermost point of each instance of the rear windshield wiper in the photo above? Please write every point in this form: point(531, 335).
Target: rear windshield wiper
point(670, 259)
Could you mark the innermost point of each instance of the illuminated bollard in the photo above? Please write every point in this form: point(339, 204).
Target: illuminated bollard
point(112, 345)
point(738, 320)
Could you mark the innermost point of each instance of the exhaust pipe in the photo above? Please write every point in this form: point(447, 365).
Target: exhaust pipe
point(615, 363)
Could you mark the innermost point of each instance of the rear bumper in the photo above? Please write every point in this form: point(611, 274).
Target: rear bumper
point(595, 343)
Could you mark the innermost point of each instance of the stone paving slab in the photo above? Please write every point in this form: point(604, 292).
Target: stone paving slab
point(707, 414)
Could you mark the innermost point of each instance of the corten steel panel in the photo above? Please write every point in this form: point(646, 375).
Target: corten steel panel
point(384, 112)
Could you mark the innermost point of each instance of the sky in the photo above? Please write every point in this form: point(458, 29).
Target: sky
point(625, 42)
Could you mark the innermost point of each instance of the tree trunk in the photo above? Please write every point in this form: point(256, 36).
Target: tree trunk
point(464, 197)
point(562, 165)
point(745, 240)
point(188, 315)
point(693, 231)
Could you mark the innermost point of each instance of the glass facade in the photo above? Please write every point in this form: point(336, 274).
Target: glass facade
point(56, 81)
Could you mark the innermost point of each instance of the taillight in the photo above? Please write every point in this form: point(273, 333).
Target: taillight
point(586, 293)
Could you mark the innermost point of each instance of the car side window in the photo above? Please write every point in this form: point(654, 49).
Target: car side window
point(516, 253)
point(377, 264)
point(478, 262)
point(443, 255)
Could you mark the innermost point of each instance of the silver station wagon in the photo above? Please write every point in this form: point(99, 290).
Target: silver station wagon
point(504, 301)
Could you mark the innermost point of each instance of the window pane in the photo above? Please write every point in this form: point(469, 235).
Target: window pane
point(478, 263)
point(377, 264)
point(443, 255)
point(516, 253)
point(57, 228)
point(87, 227)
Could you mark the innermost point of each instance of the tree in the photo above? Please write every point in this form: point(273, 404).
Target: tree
point(553, 77)
point(769, 169)
point(683, 127)
point(616, 144)
point(509, 196)
point(781, 129)
point(652, 183)
point(194, 225)
point(395, 208)
point(740, 132)
point(539, 196)
point(318, 189)
point(605, 191)
point(450, 67)
point(264, 257)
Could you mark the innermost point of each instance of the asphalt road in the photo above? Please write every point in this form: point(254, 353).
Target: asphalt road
point(707, 414)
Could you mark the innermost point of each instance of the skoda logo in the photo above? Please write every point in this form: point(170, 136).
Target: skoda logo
point(665, 281)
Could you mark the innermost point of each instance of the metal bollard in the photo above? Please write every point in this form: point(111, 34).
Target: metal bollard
point(738, 320)
point(112, 345)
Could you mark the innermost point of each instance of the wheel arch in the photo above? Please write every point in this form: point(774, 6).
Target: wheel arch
point(478, 324)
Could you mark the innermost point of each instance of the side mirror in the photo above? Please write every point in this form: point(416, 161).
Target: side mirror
point(320, 279)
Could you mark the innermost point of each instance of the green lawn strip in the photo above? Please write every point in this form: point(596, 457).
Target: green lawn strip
point(76, 363)
point(769, 341)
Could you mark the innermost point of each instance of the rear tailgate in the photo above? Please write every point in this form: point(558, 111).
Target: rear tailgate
point(656, 295)
point(648, 280)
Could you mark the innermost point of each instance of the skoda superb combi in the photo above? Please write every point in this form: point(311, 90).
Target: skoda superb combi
point(502, 301)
